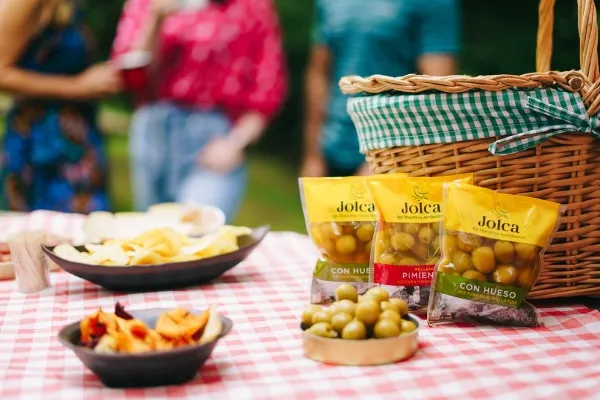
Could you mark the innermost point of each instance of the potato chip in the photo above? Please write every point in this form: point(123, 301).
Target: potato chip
point(113, 254)
point(95, 326)
point(120, 332)
point(107, 344)
point(145, 257)
point(237, 231)
point(137, 328)
point(163, 249)
point(213, 328)
point(182, 258)
point(127, 343)
point(199, 245)
point(109, 263)
point(155, 246)
point(179, 324)
point(70, 253)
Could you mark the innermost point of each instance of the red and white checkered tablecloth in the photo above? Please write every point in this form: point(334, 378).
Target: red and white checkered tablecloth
point(262, 357)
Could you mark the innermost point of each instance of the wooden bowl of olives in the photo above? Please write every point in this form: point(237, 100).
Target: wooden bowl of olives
point(371, 329)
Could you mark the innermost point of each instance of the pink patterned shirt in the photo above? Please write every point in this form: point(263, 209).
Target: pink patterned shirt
point(227, 56)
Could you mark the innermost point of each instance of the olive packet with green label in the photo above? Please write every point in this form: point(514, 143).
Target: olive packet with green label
point(492, 247)
point(340, 220)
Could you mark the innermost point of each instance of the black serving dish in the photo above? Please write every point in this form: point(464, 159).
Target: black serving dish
point(161, 276)
point(158, 368)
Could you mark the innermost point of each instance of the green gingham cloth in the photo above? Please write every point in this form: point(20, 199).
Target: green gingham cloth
point(519, 118)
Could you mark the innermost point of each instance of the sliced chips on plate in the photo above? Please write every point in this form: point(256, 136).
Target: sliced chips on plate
point(156, 246)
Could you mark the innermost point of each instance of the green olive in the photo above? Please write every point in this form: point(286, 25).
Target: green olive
point(401, 305)
point(387, 258)
point(421, 250)
point(329, 246)
point(433, 260)
point(526, 252)
point(333, 309)
point(378, 294)
point(383, 237)
point(346, 244)
point(367, 311)
point(407, 326)
point(339, 321)
point(368, 247)
point(322, 329)
point(505, 251)
point(474, 275)
point(446, 268)
point(331, 230)
point(385, 328)
point(346, 306)
point(308, 313)
point(391, 315)
point(320, 316)
point(505, 274)
point(354, 330)
point(525, 278)
point(484, 259)
point(449, 245)
point(426, 235)
point(411, 229)
point(346, 291)
point(462, 261)
point(436, 227)
point(408, 261)
point(386, 305)
point(365, 232)
point(402, 241)
point(468, 242)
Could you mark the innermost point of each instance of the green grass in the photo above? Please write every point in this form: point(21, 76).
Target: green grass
point(272, 196)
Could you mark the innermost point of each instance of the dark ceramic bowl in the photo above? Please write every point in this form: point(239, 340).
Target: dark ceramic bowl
point(159, 368)
point(161, 276)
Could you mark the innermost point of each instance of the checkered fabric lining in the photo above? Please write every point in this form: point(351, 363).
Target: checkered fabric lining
point(262, 357)
point(520, 119)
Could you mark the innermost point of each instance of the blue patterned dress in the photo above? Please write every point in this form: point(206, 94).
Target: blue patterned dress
point(52, 152)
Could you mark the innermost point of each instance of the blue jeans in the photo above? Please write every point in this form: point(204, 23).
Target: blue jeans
point(164, 146)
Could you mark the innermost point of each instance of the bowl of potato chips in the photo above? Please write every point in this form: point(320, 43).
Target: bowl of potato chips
point(153, 347)
point(158, 258)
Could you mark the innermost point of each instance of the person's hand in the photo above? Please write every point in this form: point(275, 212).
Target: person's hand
point(98, 81)
point(364, 170)
point(222, 155)
point(162, 8)
point(313, 166)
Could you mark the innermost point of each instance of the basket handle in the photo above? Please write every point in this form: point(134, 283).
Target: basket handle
point(588, 37)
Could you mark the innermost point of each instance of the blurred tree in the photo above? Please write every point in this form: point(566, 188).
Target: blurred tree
point(498, 37)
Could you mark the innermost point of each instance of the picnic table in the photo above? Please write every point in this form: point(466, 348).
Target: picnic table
point(262, 357)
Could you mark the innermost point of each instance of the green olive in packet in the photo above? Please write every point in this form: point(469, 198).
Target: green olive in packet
point(491, 256)
point(340, 220)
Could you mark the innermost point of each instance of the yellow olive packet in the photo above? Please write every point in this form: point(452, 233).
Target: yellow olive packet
point(406, 243)
point(340, 220)
point(492, 248)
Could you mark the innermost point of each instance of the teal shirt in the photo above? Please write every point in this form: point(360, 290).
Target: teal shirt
point(367, 37)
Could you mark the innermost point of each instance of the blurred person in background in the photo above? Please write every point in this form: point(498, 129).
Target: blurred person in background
point(354, 37)
point(52, 148)
point(217, 76)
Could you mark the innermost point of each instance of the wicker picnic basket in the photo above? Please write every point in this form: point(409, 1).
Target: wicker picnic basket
point(540, 141)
